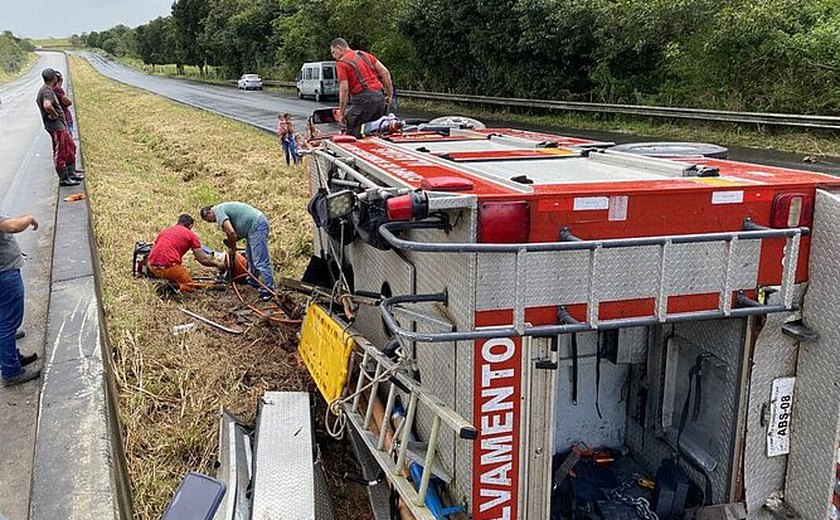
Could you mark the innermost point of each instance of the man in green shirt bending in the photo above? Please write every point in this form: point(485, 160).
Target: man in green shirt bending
point(239, 220)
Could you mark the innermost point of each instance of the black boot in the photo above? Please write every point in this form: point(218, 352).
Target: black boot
point(71, 173)
point(64, 178)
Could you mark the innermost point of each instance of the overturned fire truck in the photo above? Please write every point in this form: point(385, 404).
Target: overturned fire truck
point(561, 329)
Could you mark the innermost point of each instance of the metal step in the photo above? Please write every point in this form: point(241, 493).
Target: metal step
point(234, 468)
point(284, 471)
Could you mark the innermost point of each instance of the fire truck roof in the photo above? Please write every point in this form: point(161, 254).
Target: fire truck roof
point(504, 162)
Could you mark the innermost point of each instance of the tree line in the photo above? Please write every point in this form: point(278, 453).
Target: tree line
point(13, 52)
point(761, 55)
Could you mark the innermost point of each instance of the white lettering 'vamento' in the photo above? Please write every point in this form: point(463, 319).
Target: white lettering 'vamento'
point(508, 350)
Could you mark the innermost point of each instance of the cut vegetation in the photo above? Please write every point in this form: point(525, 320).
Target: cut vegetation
point(147, 160)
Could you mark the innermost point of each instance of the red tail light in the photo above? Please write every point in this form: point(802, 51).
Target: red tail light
point(413, 206)
point(792, 210)
point(504, 222)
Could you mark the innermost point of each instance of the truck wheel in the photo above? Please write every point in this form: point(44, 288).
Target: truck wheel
point(675, 149)
point(317, 97)
point(300, 94)
point(458, 122)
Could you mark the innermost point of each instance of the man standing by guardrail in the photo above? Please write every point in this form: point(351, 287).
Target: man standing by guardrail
point(365, 87)
point(11, 301)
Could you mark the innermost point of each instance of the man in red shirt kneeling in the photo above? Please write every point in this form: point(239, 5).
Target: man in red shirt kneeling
point(169, 249)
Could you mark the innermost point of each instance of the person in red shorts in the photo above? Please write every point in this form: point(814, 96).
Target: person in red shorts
point(55, 123)
point(364, 89)
point(169, 249)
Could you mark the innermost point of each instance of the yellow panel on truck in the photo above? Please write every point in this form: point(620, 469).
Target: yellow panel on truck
point(325, 349)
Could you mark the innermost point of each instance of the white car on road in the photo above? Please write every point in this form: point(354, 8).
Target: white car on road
point(250, 82)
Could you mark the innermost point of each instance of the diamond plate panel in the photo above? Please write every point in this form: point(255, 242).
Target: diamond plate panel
point(627, 273)
point(446, 368)
point(323, 501)
point(814, 431)
point(496, 281)
point(555, 277)
point(284, 485)
point(774, 356)
point(371, 269)
point(701, 268)
point(562, 277)
point(724, 339)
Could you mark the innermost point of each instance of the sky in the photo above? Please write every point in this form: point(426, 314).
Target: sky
point(57, 18)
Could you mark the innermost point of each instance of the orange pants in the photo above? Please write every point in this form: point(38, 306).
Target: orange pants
point(175, 273)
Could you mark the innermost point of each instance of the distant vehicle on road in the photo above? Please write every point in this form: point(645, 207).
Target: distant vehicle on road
point(250, 82)
point(317, 79)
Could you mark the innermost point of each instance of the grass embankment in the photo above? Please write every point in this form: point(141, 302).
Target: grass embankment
point(6, 77)
point(808, 143)
point(211, 75)
point(147, 160)
point(53, 43)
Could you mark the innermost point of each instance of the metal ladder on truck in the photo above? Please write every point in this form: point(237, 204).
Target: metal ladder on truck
point(376, 369)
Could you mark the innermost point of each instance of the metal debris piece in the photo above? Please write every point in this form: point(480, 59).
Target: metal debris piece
point(211, 322)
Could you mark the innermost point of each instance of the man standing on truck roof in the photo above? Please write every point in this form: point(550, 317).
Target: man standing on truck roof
point(239, 220)
point(169, 249)
point(364, 84)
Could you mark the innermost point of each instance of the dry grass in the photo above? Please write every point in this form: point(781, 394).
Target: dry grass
point(147, 160)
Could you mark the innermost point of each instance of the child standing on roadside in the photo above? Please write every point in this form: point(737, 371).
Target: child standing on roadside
point(286, 135)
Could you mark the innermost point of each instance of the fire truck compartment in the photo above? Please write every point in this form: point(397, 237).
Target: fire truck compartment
point(655, 395)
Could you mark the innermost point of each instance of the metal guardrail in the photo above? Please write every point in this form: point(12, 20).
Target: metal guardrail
point(698, 114)
point(770, 119)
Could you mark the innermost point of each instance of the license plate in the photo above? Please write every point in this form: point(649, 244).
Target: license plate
point(781, 405)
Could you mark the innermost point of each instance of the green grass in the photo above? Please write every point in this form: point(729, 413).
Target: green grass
point(170, 70)
point(6, 77)
point(808, 143)
point(53, 43)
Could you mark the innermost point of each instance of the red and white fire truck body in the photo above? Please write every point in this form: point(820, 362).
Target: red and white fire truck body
point(557, 294)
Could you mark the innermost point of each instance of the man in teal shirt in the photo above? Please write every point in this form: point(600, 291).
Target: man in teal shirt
point(239, 220)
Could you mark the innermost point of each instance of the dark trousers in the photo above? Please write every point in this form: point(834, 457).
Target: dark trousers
point(11, 316)
point(364, 107)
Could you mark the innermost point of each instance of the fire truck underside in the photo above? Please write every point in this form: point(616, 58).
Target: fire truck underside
point(672, 353)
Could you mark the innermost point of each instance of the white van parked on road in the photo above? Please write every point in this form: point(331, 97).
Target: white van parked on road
point(317, 79)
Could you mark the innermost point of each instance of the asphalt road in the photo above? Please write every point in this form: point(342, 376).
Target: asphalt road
point(260, 109)
point(28, 184)
point(254, 107)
